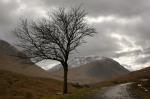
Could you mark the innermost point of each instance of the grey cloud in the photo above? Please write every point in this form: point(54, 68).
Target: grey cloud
point(143, 60)
point(107, 7)
point(135, 53)
point(146, 58)
point(6, 12)
point(101, 44)
point(147, 50)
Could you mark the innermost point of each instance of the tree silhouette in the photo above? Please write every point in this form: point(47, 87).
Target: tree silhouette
point(54, 37)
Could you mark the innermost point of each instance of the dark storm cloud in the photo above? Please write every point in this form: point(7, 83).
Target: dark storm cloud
point(122, 25)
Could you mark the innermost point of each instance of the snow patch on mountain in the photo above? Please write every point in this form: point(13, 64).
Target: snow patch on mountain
point(78, 61)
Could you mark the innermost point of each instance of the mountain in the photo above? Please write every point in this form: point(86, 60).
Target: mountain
point(76, 62)
point(93, 72)
point(9, 62)
point(136, 75)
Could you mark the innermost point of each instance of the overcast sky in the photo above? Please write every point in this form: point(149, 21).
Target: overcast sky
point(123, 26)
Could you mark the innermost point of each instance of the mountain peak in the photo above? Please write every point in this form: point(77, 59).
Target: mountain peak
point(93, 69)
point(82, 60)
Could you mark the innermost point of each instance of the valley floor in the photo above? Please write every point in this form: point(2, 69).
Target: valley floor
point(120, 91)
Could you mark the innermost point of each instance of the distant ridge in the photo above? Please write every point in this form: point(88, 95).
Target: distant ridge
point(93, 72)
point(76, 62)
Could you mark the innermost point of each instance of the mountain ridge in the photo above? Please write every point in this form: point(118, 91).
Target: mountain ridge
point(93, 72)
point(77, 61)
point(10, 62)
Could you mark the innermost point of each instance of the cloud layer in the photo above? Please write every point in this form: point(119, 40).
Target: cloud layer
point(122, 26)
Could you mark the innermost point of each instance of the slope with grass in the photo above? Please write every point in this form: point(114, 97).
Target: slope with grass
point(141, 87)
point(140, 82)
point(9, 62)
point(135, 75)
point(17, 86)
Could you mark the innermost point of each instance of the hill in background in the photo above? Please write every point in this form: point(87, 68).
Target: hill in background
point(9, 62)
point(93, 72)
point(76, 62)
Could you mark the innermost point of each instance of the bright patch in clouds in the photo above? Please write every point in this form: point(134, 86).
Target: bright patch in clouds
point(21, 8)
point(129, 62)
point(47, 64)
point(115, 19)
point(126, 60)
point(40, 11)
point(117, 36)
point(127, 44)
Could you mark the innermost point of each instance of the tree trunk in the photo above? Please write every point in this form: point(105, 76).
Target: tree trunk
point(65, 87)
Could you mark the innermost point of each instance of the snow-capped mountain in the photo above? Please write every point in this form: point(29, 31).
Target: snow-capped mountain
point(95, 70)
point(78, 61)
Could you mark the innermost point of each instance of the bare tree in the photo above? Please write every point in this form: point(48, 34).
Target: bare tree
point(54, 37)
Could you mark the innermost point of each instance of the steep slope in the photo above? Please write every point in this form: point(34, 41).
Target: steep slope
point(96, 71)
point(9, 62)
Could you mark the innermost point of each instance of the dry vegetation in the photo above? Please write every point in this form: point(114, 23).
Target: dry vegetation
point(130, 77)
point(141, 89)
point(17, 86)
point(136, 75)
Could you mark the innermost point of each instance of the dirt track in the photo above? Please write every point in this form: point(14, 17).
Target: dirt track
point(120, 91)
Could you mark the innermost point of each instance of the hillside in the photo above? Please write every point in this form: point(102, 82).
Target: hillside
point(17, 86)
point(141, 87)
point(9, 62)
point(136, 75)
point(141, 73)
point(93, 72)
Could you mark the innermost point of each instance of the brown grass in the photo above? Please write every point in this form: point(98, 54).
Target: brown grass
point(17, 86)
point(140, 90)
